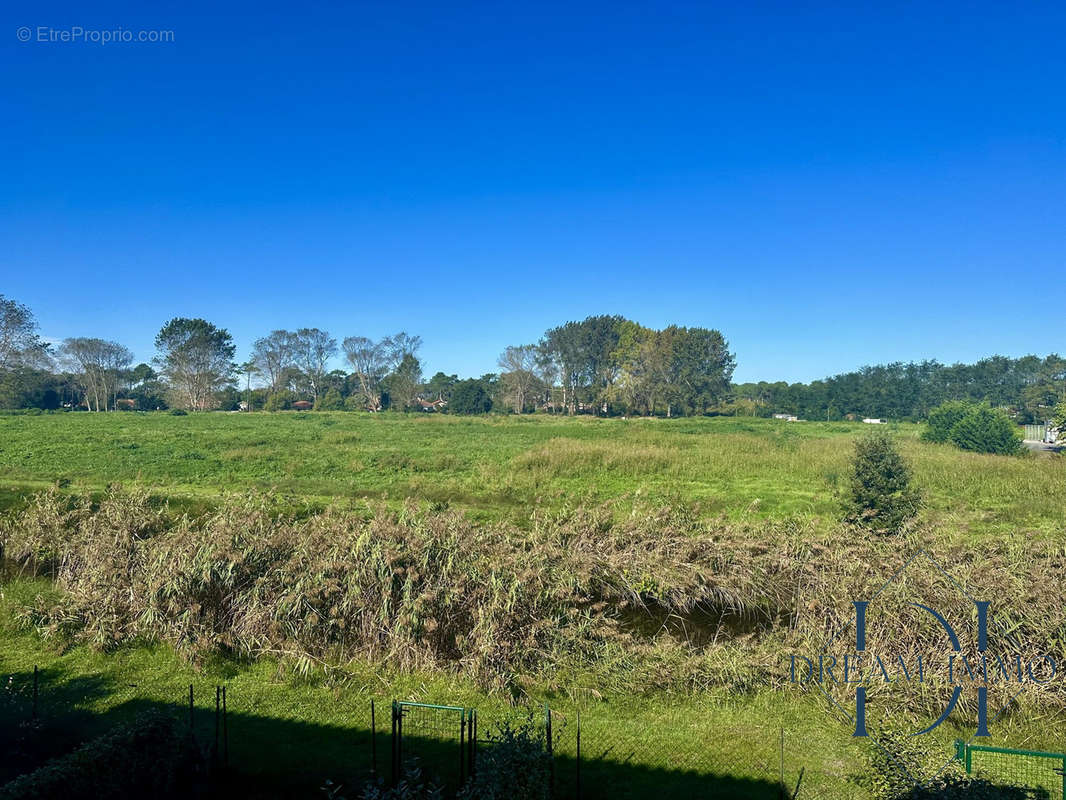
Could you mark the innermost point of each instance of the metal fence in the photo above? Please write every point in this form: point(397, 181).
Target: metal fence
point(594, 755)
point(1043, 773)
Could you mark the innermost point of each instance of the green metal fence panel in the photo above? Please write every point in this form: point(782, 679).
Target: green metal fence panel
point(435, 739)
point(1041, 772)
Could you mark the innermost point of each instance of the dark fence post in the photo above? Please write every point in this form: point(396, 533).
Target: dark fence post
point(35, 691)
point(225, 729)
point(551, 751)
point(395, 744)
point(462, 746)
point(218, 709)
point(578, 755)
point(373, 742)
point(473, 741)
point(781, 766)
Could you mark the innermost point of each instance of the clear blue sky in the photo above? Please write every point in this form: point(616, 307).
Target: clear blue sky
point(828, 187)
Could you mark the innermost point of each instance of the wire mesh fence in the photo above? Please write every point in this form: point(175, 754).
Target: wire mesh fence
point(596, 751)
point(1043, 773)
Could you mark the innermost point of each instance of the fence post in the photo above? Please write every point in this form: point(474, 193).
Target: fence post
point(225, 729)
point(35, 692)
point(395, 744)
point(191, 729)
point(462, 745)
point(218, 709)
point(578, 755)
point(781, 764)
point(373, 742)
point(551, 751)
point(473, 741)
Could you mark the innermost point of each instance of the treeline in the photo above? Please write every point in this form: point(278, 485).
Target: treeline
point(1029, 388)
point(603, 364)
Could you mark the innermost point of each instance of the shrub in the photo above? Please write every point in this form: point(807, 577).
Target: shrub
point(986, 430)
point(148, 757)
point(943, 418)
point(516, 765)
point(882, 498)
point(278, 401)
point(901, 768)
point(330, 401)
point(469, 397)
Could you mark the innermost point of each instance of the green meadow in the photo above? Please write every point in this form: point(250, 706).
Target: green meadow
point(510, 467)
point(294, 727)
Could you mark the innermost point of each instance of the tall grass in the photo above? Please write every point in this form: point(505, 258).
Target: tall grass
point(659, 598)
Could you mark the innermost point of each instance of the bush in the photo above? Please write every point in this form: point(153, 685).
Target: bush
point(278, 401)
point(986, 430)
point(469, 397)
point(882, 498)
point(330, 401)
point(943, 418)
point(148, 757)
point(898, 763)
point(516, 765)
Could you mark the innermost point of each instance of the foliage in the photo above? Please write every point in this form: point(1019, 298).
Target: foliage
point(469, 397)
point(279, 400)
point(330, 401)
point(516, 764)
point(881, 495)
point(909, 768)
point(411, 786)
point(196, 358)
point(1029, 386)
point(148, 757)
point(943, 418)
point(986, 430)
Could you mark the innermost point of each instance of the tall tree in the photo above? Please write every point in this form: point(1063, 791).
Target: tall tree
point(20, 346)
point(313, 350)
point(404, 382)
point(274, 354)
point(519, 365)
point(196, 358)
point(98, 365)
point(369, 361)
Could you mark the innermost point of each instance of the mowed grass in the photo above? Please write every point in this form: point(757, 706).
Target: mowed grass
point(508, 467)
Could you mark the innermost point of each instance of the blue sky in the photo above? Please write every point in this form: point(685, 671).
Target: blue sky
point(829, 187)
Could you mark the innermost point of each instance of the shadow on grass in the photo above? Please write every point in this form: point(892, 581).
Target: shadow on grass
point(277, 758)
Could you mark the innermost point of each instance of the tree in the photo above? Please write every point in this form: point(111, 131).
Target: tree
point(274, 354)
point(369, 361)
point(403, 383)
point(20, 346)
point(196, 358)
point(98, 365)
point(881, 496)
point(313, 348)
point(248, 369)
point(470, 397)
point(987, 430)
point(943, 418)
point(331, 400)
point(519, 366)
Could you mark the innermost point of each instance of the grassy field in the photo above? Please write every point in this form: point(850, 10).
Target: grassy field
point(507, 467)
point(293, 729)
